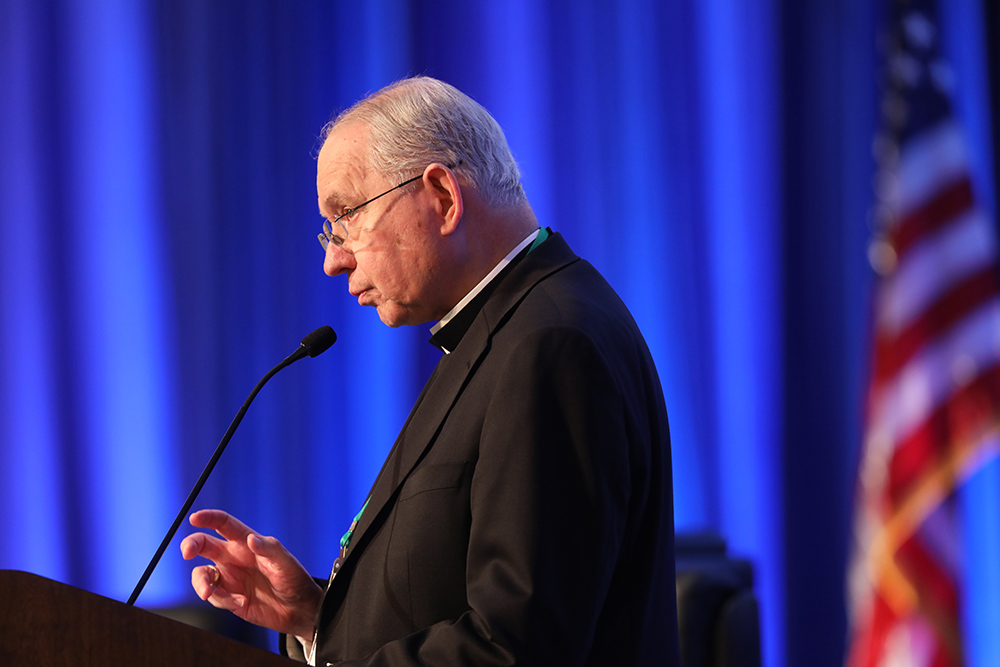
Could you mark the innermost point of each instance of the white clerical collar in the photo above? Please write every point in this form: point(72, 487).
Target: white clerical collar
point(483, 283)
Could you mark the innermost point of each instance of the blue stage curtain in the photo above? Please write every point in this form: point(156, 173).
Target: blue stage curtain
point(158, 255)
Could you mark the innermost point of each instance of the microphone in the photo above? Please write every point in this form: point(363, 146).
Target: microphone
point(314, 344)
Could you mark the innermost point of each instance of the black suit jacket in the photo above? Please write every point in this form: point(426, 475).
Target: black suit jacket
point(524, 514)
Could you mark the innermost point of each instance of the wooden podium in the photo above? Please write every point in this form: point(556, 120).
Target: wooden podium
point(46, 623)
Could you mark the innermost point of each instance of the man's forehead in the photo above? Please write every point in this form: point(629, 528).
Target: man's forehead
point(345, 147)
point(341, 168)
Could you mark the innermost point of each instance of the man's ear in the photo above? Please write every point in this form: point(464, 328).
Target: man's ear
point(447, 195)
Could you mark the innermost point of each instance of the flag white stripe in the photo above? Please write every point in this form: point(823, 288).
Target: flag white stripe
point(932, 268)
point(935, 374)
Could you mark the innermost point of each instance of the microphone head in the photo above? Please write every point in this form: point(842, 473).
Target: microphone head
point(319, 341)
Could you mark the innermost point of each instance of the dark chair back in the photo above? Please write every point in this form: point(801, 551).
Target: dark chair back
point(716, 606)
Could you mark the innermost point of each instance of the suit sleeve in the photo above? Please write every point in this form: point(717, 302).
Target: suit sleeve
point(288, 645)
point(549, 500)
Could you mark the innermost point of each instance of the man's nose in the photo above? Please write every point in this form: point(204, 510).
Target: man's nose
point(338, 260)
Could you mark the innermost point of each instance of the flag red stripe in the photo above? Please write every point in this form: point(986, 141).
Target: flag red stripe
point(933, 582)
point(892, 354)
point(938, 599)
point(869, 640)
point(937, 213)
point(962, 417)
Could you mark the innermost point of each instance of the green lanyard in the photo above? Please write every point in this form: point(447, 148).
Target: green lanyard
point(345, 541)
point(543, 233)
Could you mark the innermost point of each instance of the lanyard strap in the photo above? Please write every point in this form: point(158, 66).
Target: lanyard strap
point(345, 541)
point(543, 234)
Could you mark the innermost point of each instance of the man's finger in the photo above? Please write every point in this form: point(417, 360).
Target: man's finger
point(277, 563)
point(268, 547)
point(205, 580)
point(272, 556)
point(221, 522)
point(202, 544)
point(224, 600)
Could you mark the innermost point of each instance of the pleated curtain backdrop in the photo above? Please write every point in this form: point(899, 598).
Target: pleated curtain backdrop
point(158, 255)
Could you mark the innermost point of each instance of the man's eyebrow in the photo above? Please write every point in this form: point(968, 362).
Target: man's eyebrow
point(334, 202)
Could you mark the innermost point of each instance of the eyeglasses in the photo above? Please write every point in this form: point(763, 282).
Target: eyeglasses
point(328, 237)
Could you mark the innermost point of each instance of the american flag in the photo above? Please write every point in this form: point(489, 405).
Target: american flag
point(934, 393)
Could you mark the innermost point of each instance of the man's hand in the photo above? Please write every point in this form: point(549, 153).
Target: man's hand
point(254, 576)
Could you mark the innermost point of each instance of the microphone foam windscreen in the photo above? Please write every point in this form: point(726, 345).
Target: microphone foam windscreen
point(319, 341)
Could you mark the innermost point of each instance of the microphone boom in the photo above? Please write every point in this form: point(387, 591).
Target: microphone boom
point(314, 344)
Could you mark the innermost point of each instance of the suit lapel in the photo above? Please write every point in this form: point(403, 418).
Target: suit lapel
point(427, 416)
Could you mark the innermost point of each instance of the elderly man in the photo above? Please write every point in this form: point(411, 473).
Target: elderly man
point(524, 514)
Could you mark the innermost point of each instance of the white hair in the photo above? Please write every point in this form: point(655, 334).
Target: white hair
point(418, 121)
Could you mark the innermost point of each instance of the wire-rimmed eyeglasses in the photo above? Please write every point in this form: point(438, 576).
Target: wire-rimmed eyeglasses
point(340, 222)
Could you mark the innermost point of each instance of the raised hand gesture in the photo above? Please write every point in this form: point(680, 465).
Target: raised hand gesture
point(253, 576)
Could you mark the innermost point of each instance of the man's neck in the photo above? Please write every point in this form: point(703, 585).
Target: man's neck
point(485, 280)
point(495, 233)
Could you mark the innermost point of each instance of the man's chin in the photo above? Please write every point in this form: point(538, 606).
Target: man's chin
point(393, 315)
